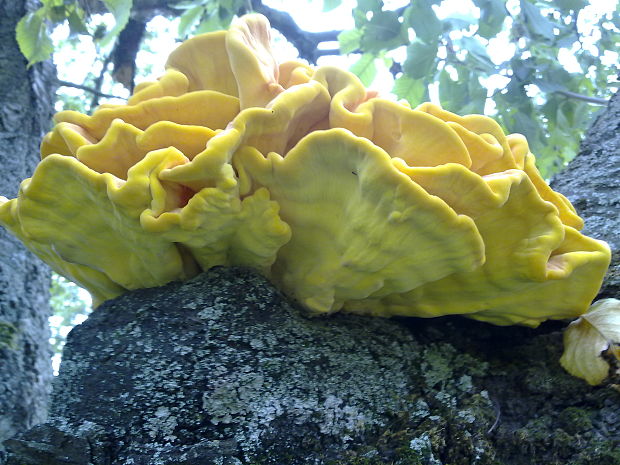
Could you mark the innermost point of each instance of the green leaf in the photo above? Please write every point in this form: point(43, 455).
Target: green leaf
point(515, 92)
point(329, 5)
point(478, 52)
point(231, 5)
point(554, 78)
point(458, 21)
point(566, 40)
point(465, 94)
point(421, 17)
point(189, 19)
point(349, 41)
point(521, 69)
point(225, 16)
point(615, 19)
point(561, 119)
point(370, 5)
point(53, 3)
point(412, 90)
point(452, 94)
point(535, 21)
point(476, 96)
point(525, 124)
point(33, 37)
point(420, 60)
point(76, 21)
point(57, 14)
point(548, 86)
point(559, 75)
point(575, 5)
point(187, 5)
point(492, 16)
point(68, 307)
point(210, 24)
point(120, 9)
point(365, 69)
point(383, 32)
point(359, 18)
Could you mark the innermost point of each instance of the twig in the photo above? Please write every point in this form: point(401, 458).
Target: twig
point(99, 81)
point(331, 51)
point(87, 89)
point(585, 98)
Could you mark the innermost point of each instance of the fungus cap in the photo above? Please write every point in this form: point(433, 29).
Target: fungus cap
point(346, 200)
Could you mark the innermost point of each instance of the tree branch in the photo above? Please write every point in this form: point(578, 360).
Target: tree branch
point(125, 51)
point(99, 82)
point(305, 42)
point(62, 83)
point(585, 98)
point(328, 51)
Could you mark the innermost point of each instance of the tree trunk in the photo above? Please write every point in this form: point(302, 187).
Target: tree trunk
point(26, 104)
point(222, 369)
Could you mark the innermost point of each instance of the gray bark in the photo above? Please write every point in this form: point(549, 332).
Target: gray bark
point(223, 370)
point(25, 112)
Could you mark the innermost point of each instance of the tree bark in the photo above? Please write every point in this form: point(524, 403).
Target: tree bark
point(26, 103)
point(222, 369)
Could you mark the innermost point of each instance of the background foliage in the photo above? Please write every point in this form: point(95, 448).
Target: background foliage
point(540, 67)
point(70, 308)
point(529, 91)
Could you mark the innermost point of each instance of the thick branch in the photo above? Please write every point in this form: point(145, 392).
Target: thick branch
point(125, 52)
point(305, 42)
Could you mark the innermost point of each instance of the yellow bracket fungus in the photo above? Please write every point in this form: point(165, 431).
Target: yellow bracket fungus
point(352, 215)
point(345, 200)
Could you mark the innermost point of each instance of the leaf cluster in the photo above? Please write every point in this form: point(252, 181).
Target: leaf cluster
point(530, 92)
point(200, 16)
point(528, 89)
point(33, 30)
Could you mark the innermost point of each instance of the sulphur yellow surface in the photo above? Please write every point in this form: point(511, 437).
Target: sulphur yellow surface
point(483, 162)
point(277, 128)
point(173, 83)
point(124, 145)
point(531, 258)
point(65, 139)
point(359, 227)
point(215, 225)
point(248, 42)
point(292, 73)
point(344, 199)
point(92, 219)
point(202, 108)
point(204, 61)
point(96, 282)
point(415, 136)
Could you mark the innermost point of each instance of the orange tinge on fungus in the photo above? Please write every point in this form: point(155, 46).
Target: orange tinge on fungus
point(345, 200)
